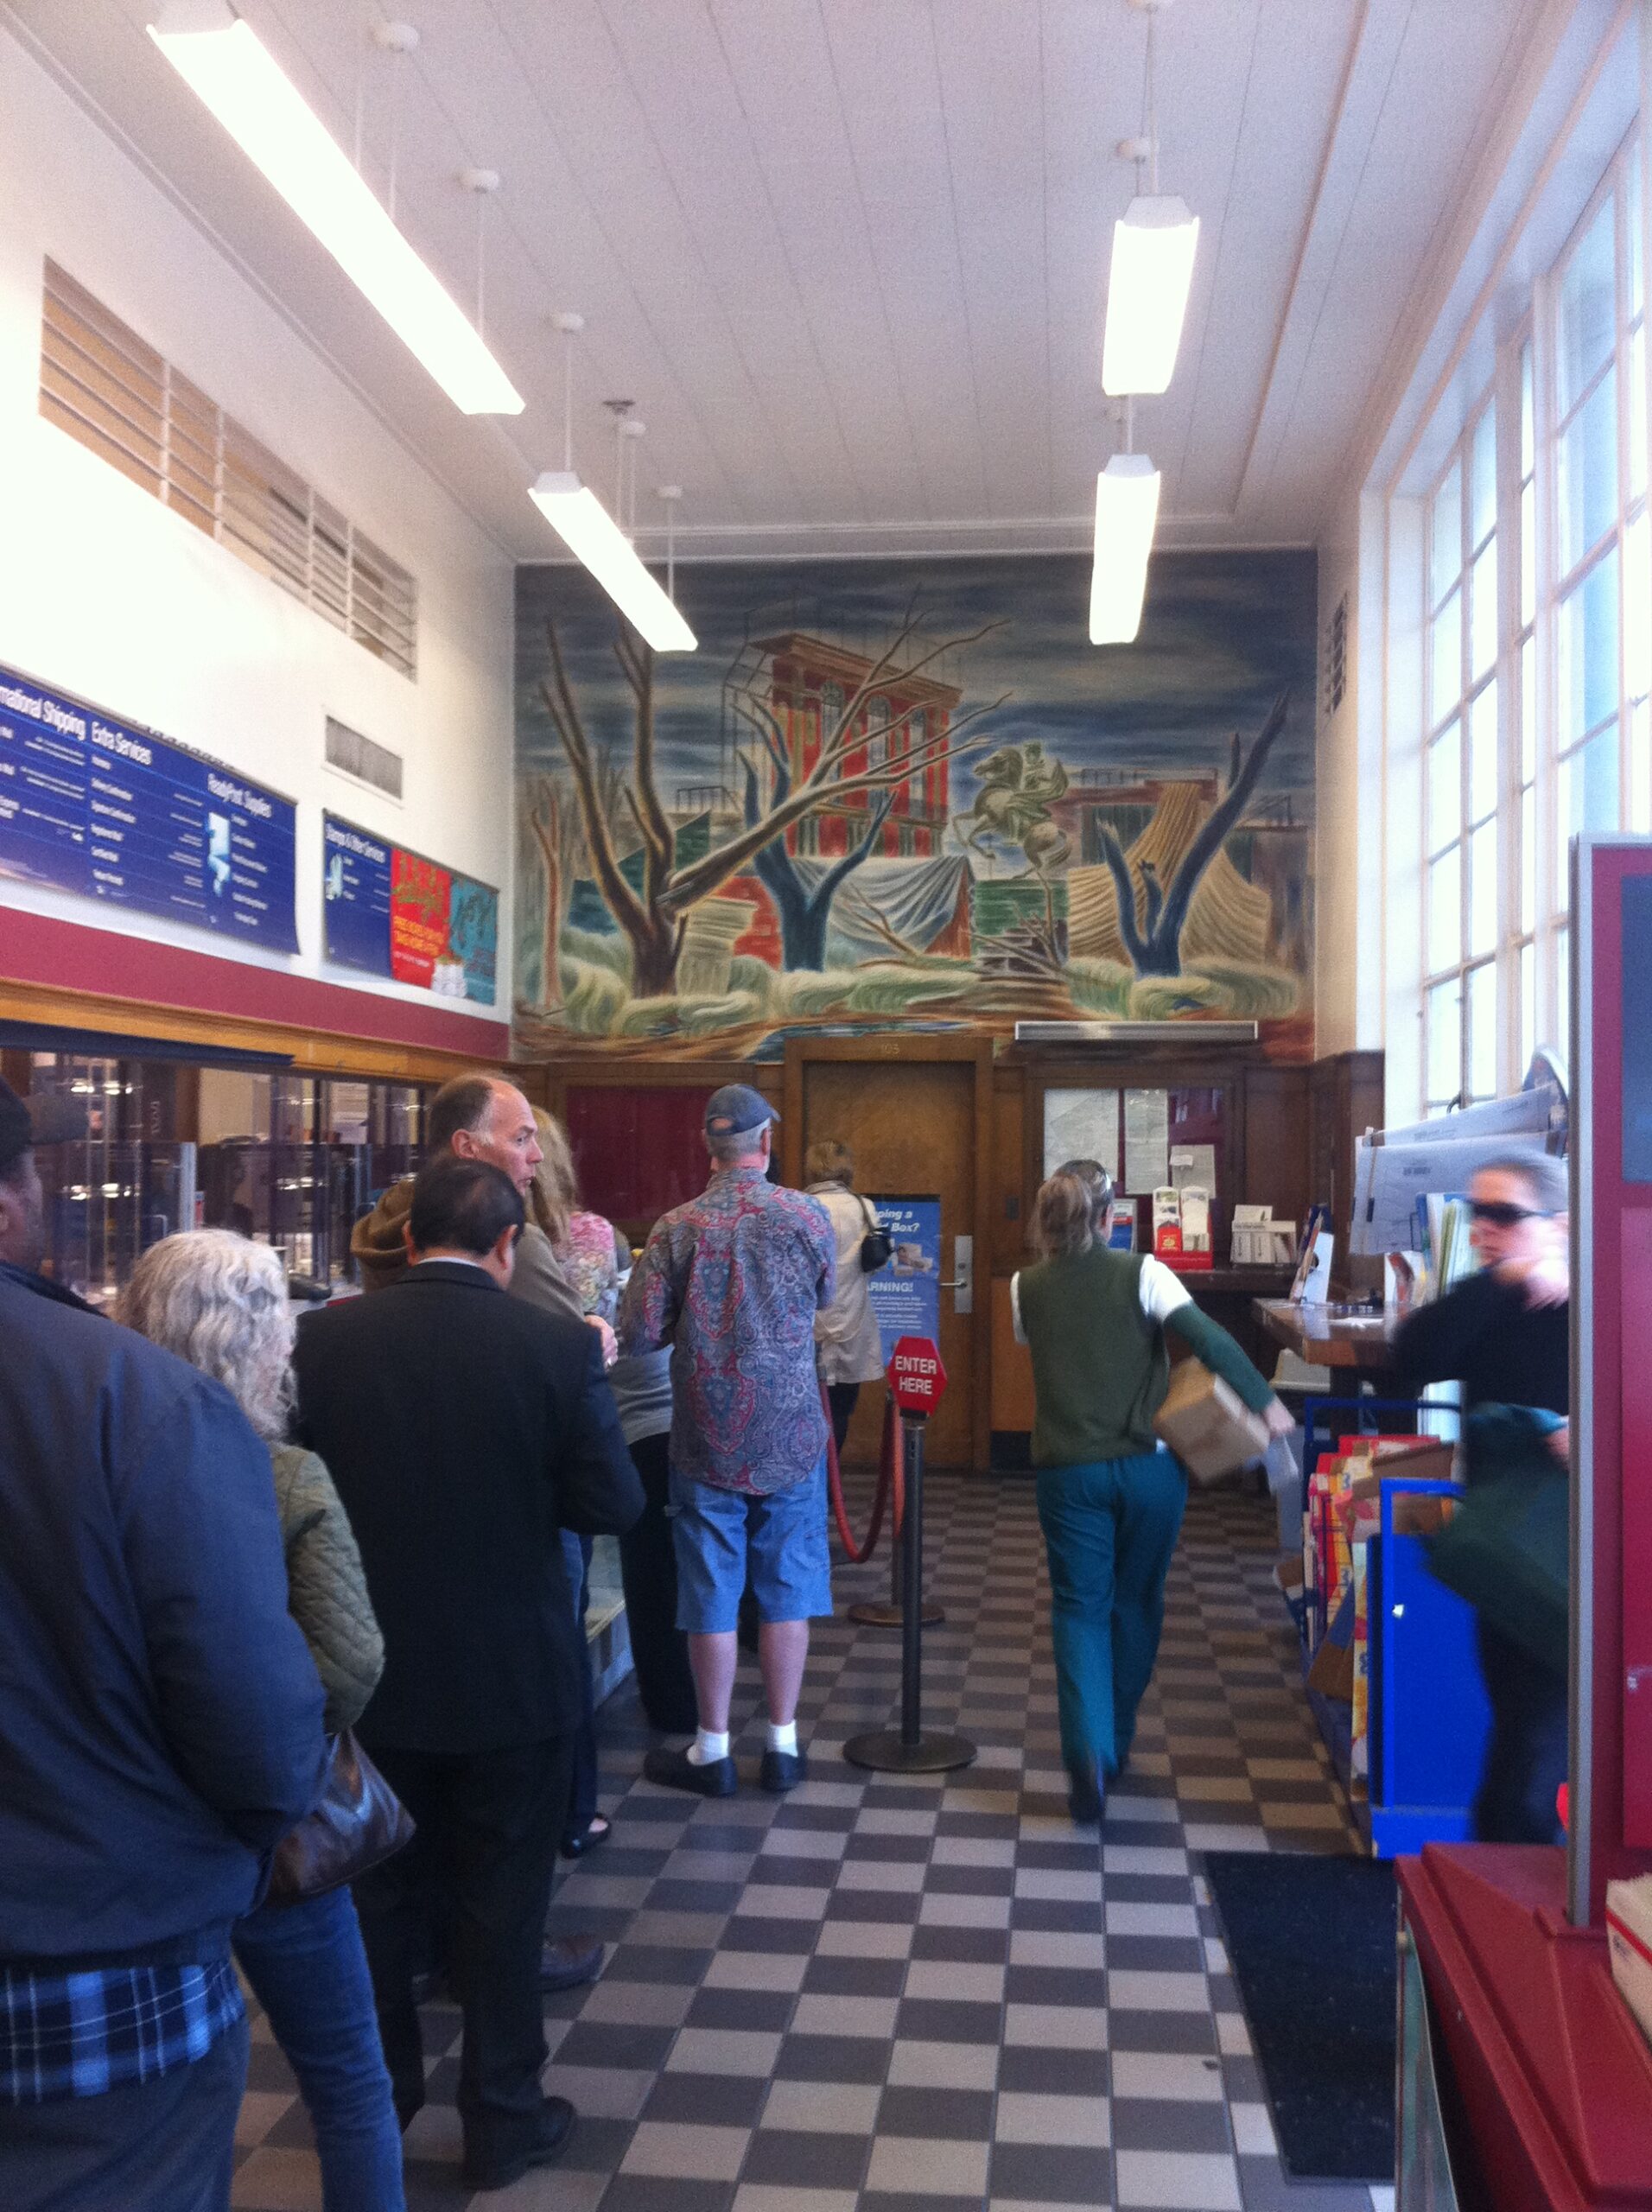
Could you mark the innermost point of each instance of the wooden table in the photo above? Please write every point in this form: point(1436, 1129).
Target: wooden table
point(1324, 1337)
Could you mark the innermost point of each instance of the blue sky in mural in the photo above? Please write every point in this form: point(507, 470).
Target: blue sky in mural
point(1222, 635)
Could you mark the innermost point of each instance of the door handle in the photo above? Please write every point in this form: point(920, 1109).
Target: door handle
point(962, 1283)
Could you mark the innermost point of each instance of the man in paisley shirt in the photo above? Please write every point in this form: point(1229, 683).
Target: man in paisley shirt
point(732, 1281)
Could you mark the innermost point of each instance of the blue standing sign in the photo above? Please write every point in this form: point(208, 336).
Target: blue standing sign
point(906, 1294)
point(117, 813)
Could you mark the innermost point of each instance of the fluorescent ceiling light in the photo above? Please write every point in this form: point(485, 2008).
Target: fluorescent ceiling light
point(1126, 507)
point(1146, 294)
point(222, 60)
point(592, 535)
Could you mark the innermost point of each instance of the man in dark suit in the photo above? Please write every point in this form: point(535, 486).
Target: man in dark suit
point(464, 1429)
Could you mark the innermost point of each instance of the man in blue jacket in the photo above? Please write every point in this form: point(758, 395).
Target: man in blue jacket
point(161, 1727)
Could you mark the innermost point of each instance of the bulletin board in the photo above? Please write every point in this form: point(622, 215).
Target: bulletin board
point(1135, 1122)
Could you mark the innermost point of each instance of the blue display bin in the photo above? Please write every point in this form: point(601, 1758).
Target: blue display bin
point(1429, 1713)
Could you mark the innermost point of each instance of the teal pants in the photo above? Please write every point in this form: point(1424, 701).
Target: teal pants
point(1110, 1532)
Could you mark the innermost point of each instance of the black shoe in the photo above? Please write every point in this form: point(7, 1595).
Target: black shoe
point(783, 1771)
point(677, 1770)
point(581, 1846)
point(1086, 1798)
point(556, 2126)
point(568, 1962)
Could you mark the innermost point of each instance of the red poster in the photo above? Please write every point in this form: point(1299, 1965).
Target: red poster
point(420, 900)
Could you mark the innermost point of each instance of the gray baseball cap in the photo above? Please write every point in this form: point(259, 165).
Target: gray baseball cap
point(736, 1108)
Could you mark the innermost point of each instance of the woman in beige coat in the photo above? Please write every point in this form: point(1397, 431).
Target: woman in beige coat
point(848, 1348)
point(220, 1301)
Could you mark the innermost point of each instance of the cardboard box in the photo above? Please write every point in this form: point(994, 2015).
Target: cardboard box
point(1629, 1939)
point(1207, 1425)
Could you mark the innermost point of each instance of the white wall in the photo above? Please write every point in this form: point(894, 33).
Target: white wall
point(105, 593)
point(1349, 875)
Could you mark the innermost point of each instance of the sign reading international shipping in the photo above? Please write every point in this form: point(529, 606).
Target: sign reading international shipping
point(112, 812)
point(394, 913)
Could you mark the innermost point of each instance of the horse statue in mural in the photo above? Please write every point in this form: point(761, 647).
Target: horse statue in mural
point(1018, 788)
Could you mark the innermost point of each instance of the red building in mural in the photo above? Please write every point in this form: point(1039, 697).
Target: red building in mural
point(809, 683)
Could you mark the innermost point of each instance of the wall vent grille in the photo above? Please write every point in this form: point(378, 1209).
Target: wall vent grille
point(117, 397)
point(355, 755)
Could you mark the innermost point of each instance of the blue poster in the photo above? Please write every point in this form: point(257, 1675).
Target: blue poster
point(355, 897)
point(116, 813)
point(906, 1294)
point(474, 933)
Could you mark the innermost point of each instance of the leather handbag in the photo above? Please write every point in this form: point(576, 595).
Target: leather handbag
point(1507, 1546)
point(359, 1823)
point(877, 1246)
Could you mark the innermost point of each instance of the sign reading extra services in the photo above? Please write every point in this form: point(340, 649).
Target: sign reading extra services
point(112, 812)
point(392, 912)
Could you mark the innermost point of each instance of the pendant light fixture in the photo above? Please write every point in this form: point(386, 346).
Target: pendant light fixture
point(1126, 514)
point(1152, 271)
point(221, 59)
point(594, 538)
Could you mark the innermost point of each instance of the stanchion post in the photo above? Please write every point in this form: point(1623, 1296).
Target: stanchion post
point(911, 1547)
point(917, 1366)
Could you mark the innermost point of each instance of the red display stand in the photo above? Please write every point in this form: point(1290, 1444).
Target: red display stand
point(1551, 2074)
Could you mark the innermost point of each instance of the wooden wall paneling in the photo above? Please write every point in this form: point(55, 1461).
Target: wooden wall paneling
point(1276, 1150)
point(1009, 1199)
point(896, 1050)
point(1345, 1099)
point(1013, 1403)
point(311, 1051)
point(628, 1104)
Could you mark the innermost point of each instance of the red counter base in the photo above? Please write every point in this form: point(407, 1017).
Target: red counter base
point(1554, 2076)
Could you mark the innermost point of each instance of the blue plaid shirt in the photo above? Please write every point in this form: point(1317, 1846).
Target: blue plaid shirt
point(76, 2035)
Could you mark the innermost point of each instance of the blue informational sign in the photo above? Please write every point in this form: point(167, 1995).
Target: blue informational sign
point(392, 912)
point(355, 897)
point(117, 813)
point(906, 1294)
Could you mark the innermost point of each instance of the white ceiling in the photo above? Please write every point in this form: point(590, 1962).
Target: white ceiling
point(847, 256)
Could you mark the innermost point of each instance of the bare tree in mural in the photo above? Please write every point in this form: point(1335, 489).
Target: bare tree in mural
point(654, 919)
point(1154, 942)
point(553, 821)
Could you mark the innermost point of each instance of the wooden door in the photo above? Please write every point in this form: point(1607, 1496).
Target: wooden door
point(913, 1126)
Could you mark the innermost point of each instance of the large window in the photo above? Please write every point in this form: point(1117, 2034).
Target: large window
point(1536, 666)
point(1461, 776)
point(1596, 765)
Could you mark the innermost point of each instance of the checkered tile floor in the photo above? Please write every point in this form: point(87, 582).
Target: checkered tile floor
point(926, 1996)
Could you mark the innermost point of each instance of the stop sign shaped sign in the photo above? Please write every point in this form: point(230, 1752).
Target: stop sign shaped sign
point(916, 1375)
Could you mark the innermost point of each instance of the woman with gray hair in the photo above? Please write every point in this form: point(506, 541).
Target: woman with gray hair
point(220, 1301)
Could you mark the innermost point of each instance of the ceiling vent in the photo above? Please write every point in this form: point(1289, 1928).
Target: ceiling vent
point(353, 754)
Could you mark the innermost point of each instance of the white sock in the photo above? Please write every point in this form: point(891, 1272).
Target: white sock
point(707, 1749)
point(783, 1735)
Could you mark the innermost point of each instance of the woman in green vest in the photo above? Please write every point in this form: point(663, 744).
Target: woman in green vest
point(1110, 1497)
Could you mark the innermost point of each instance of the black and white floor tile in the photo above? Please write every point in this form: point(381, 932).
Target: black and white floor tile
point(930, 1995)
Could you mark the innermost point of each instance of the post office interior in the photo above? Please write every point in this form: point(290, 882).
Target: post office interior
point(904, 772)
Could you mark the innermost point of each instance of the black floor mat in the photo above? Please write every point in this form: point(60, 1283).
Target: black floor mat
point(1312, 1943)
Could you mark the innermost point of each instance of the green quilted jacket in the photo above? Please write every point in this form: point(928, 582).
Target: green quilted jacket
point(327, 1591)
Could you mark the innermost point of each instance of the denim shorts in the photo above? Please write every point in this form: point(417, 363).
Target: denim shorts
point(720, 1534)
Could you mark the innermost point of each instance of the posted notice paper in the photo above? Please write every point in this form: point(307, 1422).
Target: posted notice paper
point(1081, 1125)
point(1147, 1140)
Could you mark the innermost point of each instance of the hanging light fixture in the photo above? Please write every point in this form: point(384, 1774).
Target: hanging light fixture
point(595, 539)
point(1152, 271)
point(222, 60)
point(1127, 513)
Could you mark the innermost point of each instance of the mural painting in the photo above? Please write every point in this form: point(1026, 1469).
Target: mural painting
point(900, 794)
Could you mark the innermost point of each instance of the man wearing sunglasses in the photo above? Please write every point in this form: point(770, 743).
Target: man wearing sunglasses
point(1504, 1335)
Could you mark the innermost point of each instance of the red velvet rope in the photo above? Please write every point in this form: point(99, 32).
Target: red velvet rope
point(889, 1484)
